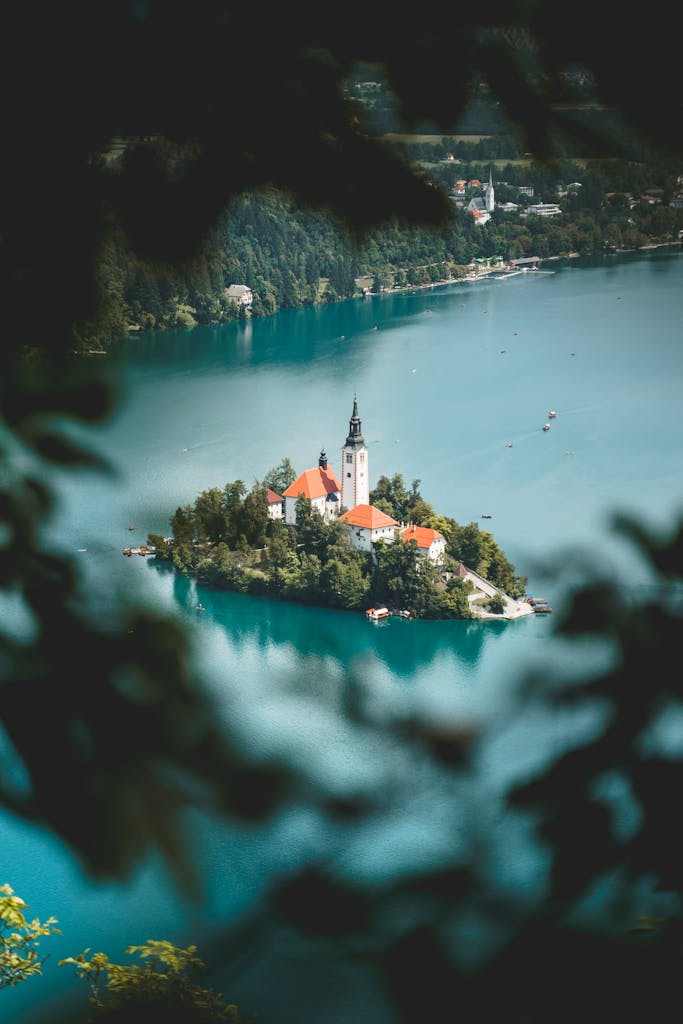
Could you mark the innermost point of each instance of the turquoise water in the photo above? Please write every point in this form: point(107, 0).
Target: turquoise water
point(446, 378)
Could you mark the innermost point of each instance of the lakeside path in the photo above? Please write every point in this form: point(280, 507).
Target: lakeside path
point(483, 273)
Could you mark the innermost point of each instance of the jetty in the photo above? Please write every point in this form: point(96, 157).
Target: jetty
point(141, 549)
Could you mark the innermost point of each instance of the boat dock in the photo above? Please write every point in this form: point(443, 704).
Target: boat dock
point(142, 549)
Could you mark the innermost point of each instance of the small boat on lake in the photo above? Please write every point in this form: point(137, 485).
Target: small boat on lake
point(485, 515)
point(375, 614)
point(546, 426)
point(552, 414)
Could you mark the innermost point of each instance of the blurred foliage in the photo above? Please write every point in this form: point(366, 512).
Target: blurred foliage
point(249, 102)
point(19, 939)
point(159, 989)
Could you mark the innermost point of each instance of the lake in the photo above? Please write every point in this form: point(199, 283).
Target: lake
point(454, 384)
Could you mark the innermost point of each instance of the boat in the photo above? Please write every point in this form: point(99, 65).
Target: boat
point(484, 515)
point(375, 614)
point(552, 414)
point(546, 426)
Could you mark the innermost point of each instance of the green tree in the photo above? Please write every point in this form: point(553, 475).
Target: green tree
point(280, 477)
point(211, 516)
point(344, 582)
point(392, 492)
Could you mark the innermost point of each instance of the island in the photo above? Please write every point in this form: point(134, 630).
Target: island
point(316, 538)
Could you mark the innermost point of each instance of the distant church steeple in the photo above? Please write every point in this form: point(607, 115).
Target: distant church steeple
point(354, 475)
point(489, 197)
point(322, 461)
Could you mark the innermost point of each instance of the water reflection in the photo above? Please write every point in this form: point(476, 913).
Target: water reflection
point(403, 647)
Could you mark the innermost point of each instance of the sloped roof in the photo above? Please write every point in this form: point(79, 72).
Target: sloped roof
point(313, 483)
point(273, 498)
point(424, 536)
point(368, 517)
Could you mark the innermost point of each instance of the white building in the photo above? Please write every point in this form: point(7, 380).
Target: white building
point(367, 524)
point(275, 505)
point(239, 293)
point(355, 485)
point(543, 209)
point(321, 486)
point(430, 543)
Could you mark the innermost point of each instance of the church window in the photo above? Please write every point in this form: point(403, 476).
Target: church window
point(348, 474)
point(362, 457)
point(349, 457)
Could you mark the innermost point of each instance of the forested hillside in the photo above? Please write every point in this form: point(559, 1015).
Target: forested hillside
point(290, 255)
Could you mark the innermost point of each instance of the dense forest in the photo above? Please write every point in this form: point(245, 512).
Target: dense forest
point(226, 539)
point(290, 255)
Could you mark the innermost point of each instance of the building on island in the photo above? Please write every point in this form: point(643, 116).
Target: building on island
point(355, 477)
point(430, 543)
point(275, 505)
point(367, 524)
point(348, 500)
point(321, 486)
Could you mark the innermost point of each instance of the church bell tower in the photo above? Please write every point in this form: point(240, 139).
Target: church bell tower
point(489, 195)
point(354, 474)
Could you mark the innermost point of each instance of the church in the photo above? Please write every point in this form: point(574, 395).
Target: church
point(348, 499)
point(481, 209)
point(327, 494)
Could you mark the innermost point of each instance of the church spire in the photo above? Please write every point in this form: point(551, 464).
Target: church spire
point(355, 478)
point(355, 438)
point(489, 196)
point(322, 461)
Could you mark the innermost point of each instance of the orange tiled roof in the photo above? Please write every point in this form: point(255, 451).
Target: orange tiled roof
point(273, 498)
point(367, 516)
point(424, 536)
point(313, 483)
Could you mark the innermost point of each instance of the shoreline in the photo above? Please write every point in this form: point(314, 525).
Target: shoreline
point(468, 279)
